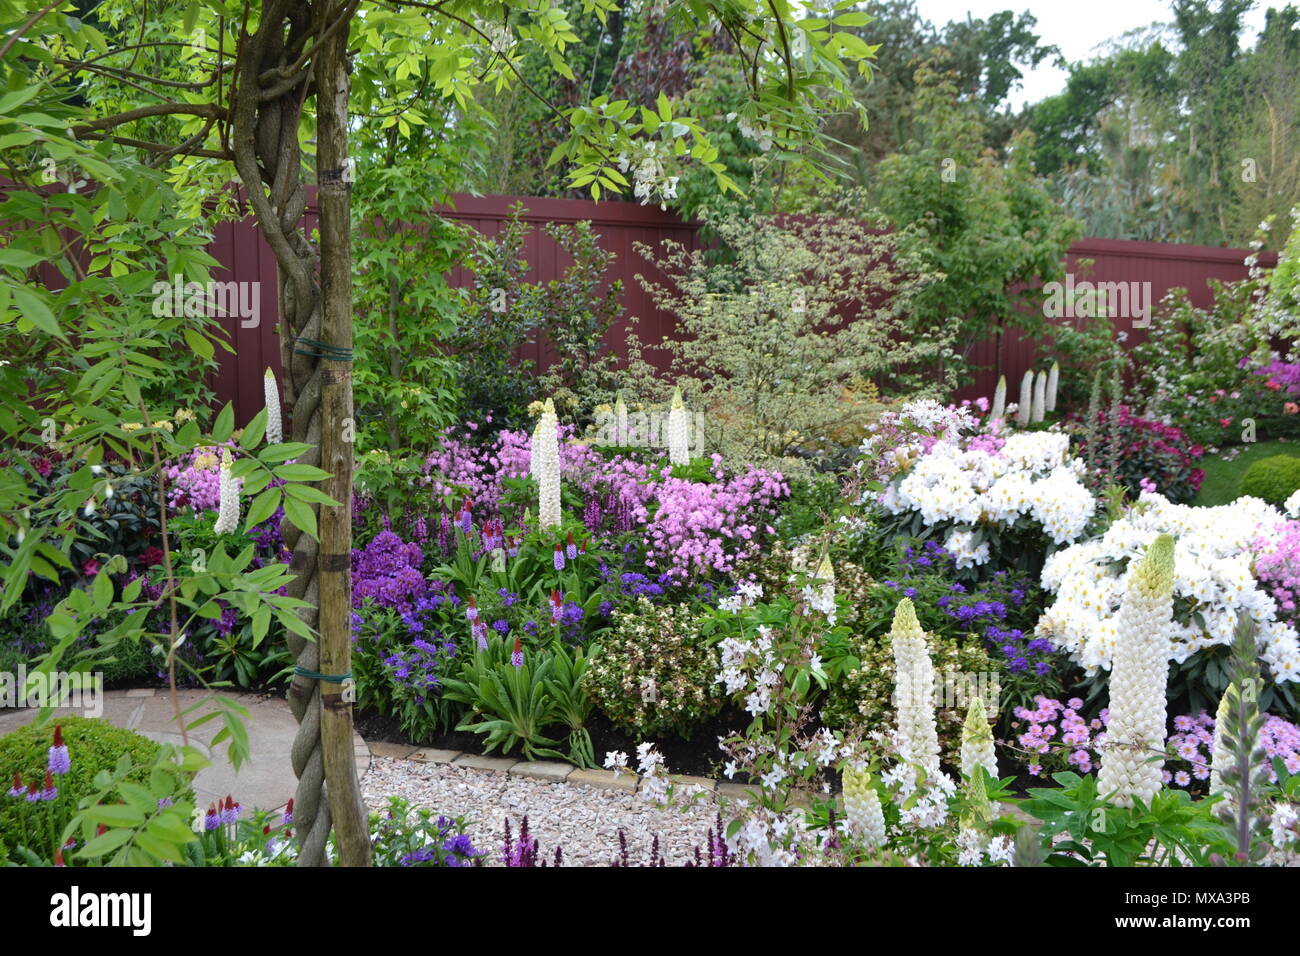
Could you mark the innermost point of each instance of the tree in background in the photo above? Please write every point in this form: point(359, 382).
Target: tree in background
point(987, 226)
point(1176, 133)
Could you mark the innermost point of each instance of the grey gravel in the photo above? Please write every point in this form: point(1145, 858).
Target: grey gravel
point(584, 821)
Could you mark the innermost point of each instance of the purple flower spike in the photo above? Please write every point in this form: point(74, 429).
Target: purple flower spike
point(60, 763)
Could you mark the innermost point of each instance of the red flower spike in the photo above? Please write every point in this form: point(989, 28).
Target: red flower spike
point(58, 858)
point(101, 830)
point(266, 830)
point(58, 735)
point(570, 537)
point(18, 782)
point(71, 842)
point(230, 803)
point(289, 807)
point(518, 648)
point(49, 780)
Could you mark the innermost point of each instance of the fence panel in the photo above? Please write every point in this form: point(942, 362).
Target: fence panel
point(246, 257)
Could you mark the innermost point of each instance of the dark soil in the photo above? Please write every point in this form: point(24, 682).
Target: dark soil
point(699, 755)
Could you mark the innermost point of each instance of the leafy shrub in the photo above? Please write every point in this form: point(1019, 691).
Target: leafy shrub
point(862, 700)
point(93, 745)
point(655, 672)
point(776, 337)
point(578, 315)
point(1273, 479)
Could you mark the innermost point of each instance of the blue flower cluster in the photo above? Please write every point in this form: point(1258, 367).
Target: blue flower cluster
point(983, 609)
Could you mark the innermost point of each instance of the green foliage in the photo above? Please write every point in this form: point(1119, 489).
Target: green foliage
point(766, 346)
point(509, 705)
point(1173, 831)
point(405, 384)
point(987, 226)
point(1273, 479)
point(578, 316)
point(571, 702)
point(143, 825)
point(494, 321)
point(93, 745)
point(655, 672)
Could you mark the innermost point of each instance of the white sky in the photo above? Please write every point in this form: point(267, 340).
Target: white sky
point(1077, 28)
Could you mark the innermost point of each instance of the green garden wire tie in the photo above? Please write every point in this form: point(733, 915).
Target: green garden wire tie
point(313, 675)
point(315, 349)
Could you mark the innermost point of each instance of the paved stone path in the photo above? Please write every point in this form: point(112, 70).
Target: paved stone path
point(265, 781)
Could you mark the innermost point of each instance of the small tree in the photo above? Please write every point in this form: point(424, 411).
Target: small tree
point(775, 339)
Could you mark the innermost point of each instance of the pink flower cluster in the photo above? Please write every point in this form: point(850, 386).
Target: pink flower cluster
point(700, 527)
point(1277, 566)
point(687, 527)
point(1192, 743)
point(1079, 736)
point(458, 467)
point(195, 480)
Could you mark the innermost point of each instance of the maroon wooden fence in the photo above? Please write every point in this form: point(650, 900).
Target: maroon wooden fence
point(246, 257)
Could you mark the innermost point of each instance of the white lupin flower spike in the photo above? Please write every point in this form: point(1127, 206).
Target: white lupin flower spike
point(546, 461)
point(274, 424)
point(679, 452)
point(914, 688)
point(1135, 736)
point(228, 510)
point(1026, 399)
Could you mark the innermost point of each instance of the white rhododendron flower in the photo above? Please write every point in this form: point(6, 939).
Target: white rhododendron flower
point(1213, 583)
point(1030, 476)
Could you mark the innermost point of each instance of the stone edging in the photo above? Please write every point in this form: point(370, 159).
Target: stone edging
point(550, 771)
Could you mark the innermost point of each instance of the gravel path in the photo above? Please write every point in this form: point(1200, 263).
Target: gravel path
point(584, 821)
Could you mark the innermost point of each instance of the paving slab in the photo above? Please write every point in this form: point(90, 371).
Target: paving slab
point(686, 781)
point(604, 779)
point(476, 762)
point(433, 755)
point(551, 771)
point(382, 748)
